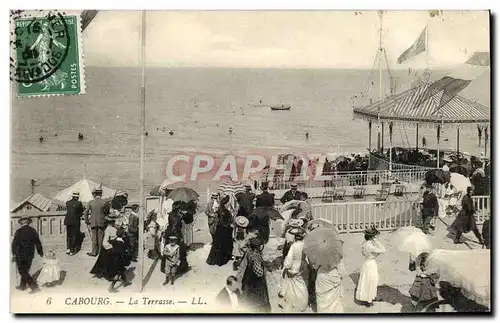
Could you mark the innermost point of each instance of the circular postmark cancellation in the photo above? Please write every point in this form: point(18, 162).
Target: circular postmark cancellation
point(41, 45)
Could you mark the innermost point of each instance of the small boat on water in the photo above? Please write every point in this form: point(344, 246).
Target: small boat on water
point(281, 107)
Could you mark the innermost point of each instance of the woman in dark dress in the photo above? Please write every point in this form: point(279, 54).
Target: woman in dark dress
point(255, 294)
point(466, 221)
point(113, 257)
point(121, 258)
point(222, 247)
point(174, 228)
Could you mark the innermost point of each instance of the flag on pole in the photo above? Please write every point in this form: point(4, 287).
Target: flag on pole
point(415, 49)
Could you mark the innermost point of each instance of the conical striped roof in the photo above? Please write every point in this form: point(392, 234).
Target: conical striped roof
point(409, 107)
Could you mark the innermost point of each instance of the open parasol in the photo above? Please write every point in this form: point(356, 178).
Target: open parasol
point(468, 270)
point(435, 176)
point(183, 194)
point(168, 182)
point(412, 240)
point(460, 182)
point(231, 187)
point(460, 168)
point(323, 248)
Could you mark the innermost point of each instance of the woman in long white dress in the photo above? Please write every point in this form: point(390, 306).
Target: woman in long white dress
point(294, 289)
point(329, 289)
point(366, 291)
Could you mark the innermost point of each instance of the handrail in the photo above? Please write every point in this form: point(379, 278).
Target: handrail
point(358, 216)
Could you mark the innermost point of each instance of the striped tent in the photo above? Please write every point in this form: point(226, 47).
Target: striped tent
point(417, 106)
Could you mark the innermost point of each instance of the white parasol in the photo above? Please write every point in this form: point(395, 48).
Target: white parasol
point(468, 270)
point(460, 182)
point(412, 240)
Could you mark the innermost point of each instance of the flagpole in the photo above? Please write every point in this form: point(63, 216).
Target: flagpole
point(380, 73)
point(143, 130)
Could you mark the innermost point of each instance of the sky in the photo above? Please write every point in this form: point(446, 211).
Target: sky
point(282, 39)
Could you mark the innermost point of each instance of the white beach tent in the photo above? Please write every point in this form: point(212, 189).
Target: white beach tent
point(85, 188)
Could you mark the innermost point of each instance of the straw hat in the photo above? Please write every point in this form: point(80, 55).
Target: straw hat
point(241, 221)
point(293, 185)
point(173, 238)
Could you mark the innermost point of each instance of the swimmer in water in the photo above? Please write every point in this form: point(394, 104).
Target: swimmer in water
point(171, 132)
point(40, 138)
point(80, 136)
point(307, 134)
point(230, 130)
point(146, 134)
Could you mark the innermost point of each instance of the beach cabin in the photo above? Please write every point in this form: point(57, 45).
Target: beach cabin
point(34, 204)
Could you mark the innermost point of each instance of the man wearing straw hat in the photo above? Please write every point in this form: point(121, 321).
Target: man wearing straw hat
point(94, 217)
point(74, 213)
point(25, 241)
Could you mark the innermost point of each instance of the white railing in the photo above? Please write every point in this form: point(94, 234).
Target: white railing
point(380, 162)
point(359, 178)
point(358, 216)
point(483, 207)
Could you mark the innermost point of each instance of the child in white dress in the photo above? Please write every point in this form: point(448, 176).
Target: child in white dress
point(50, 273)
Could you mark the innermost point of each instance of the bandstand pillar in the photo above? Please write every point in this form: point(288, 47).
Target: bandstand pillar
point(369, 144)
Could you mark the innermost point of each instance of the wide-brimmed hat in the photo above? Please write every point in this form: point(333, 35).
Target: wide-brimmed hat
point(173, 238)
point(256, 242)
point(296, 223)
point(76, 194)
point(372, 232)
point(293, 185)
point(241, 221)
point(24, 218)
point(298, 232)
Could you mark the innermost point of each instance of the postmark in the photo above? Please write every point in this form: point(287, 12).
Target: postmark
point(47, 52)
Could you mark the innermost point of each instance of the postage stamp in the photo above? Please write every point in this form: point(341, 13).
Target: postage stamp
point(48, 54)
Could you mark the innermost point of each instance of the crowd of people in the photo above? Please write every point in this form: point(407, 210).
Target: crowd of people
point(114, 236)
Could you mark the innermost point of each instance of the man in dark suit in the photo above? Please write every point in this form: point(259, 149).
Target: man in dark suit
point(74, 213)
point(245, 200)
point(229, 296)
point(292, 194)
point(265, 198)
point(133, 231)
point(430, 209)
point(94, 216)
point(25, 241)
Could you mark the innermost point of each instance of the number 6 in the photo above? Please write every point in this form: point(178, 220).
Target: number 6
point(49, 300)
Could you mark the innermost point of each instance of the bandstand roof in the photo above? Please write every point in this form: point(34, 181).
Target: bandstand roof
point(409, 107)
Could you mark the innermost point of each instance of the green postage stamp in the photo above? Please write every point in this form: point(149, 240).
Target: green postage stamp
point(47, 50)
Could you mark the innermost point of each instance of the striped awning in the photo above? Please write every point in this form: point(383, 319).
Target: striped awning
point(409, 107)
